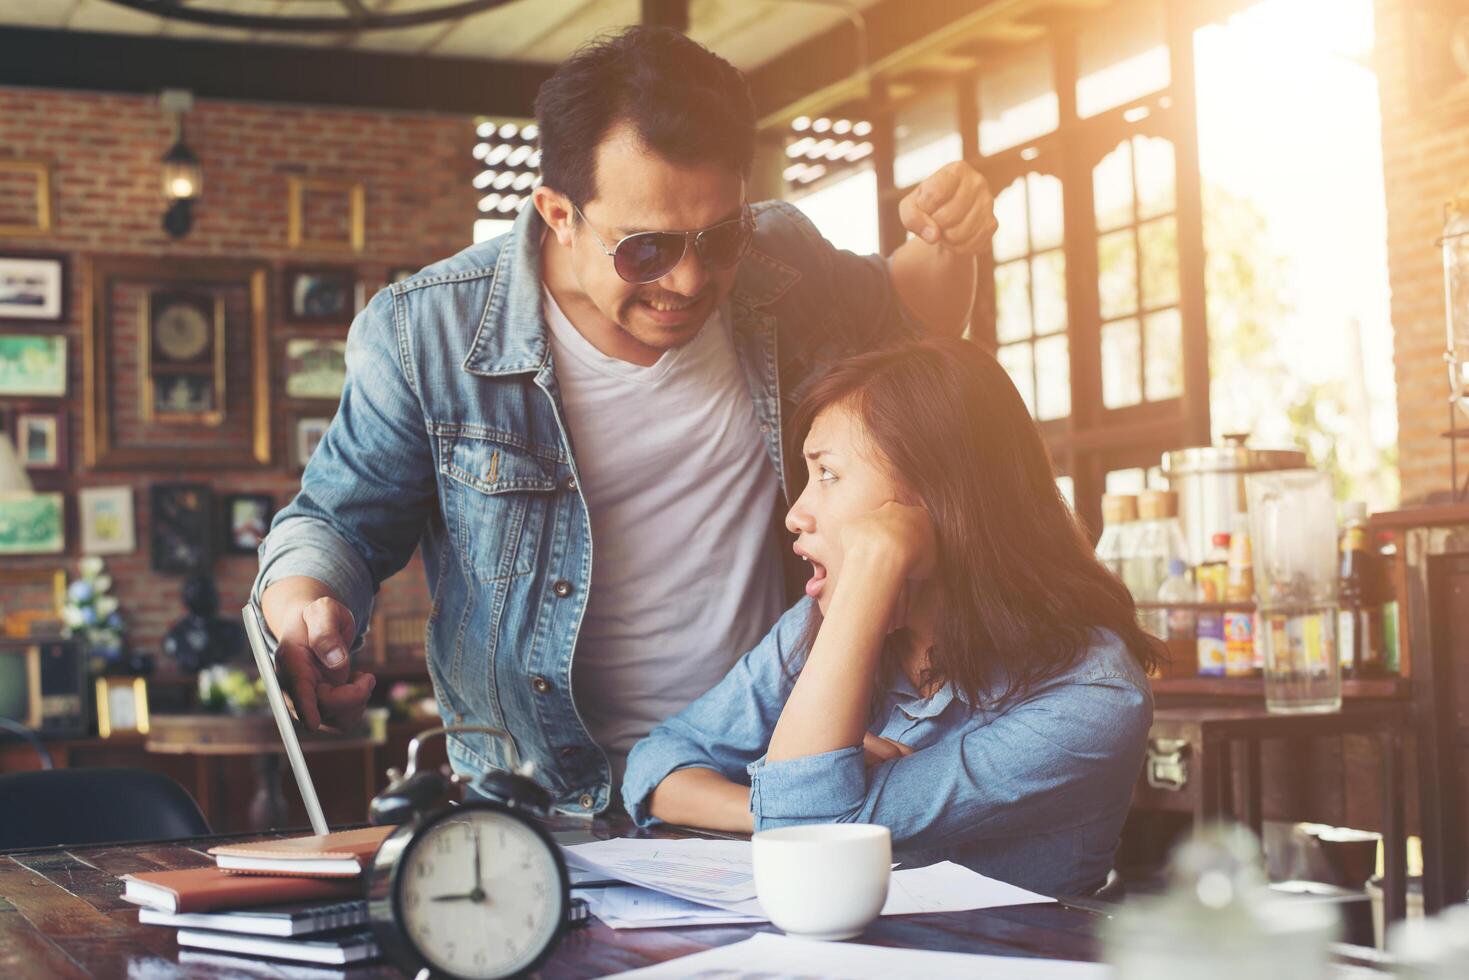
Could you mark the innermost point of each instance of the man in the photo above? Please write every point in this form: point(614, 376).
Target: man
point(612, 373)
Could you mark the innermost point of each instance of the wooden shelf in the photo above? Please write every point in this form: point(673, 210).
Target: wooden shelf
point(1394, 688)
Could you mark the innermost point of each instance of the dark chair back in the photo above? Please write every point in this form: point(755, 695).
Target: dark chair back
point(94, 806)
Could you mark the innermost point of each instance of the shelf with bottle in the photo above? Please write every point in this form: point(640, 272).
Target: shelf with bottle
point(1390, 688)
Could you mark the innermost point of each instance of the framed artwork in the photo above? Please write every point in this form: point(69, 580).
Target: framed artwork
point(122, 705)
point(320, 294)
point(32, 364)
point(39, 172)
point(34, 525)
point(177, 363)
point(40, 440)
point(181, 378)
point(309, 432)
point(180, 527)
point(33, 601)
point(326, 215)
point(106, 518)
point(248, 516)
point(33, 288)
point(315, 369)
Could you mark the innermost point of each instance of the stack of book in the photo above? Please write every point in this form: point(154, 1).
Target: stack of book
point(295, 899)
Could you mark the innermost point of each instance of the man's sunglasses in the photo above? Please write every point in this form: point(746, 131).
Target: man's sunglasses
point(650, 255)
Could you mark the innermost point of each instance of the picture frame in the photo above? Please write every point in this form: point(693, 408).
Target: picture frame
point(32, 365)
point(352, 195)
point(320, 294)
point(40, 440)
point(34, 525)
point(105, 515)
point(246, 521)
point(308, 434)
point(40, 172)
point(122, 706)
point(316, 369)
point(34, 599)
point(181, 525)
point(33, 287)
point(181, 374)
point(114, 434)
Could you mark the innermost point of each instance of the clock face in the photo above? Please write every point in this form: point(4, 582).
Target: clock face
point(480, 894)
point(181, 331)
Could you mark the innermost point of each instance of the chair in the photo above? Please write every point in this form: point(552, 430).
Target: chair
point(94, 806)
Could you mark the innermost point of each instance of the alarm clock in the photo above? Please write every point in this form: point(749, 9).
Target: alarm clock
point(471, 890)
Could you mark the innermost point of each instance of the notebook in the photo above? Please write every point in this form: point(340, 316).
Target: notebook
point(268, 920)
point(339, 855)
point(210, 889)
point(340, 946)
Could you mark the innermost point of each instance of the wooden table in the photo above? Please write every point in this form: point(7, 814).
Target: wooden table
point(61, 917)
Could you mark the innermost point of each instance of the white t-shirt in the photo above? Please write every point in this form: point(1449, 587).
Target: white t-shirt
point(681, 495)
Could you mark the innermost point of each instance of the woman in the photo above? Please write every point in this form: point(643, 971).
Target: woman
point(962, 670)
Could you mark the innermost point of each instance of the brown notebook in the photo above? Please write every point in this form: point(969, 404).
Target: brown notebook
point(340, 855)
point(210, 889)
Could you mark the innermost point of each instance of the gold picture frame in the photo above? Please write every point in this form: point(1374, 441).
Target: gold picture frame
point(296, 232)
point(41, 170)
point(147, 379)
point(100, 447)
point(122, 706)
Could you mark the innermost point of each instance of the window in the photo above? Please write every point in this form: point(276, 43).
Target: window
point(842, 210)
point(1030, 294)
point(1017, 100)
point(1137, 273)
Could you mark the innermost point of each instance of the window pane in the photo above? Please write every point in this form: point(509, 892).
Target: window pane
point(1010, 237)
point(487, 228)
point(1012, 301)
point(1164, 369)
point(1067, 486)
point(1155, 175)
point(1046, 224)
point(1121, 381)
point(1052, 378)
point(1048, 274)
point(1017, 100)
point(1117, 274)
point(927, 135)
point(1015, 359)
point(1112, 189)
point(1159, 243)
point(845, 212)
point(1123, 58)
point(1127, 481)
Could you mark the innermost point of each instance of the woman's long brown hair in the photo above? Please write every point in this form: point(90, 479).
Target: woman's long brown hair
point(1019, 589)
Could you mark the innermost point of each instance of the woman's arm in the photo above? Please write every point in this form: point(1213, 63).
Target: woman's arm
point(829, 707)
point(832, 699)
point(702, 798)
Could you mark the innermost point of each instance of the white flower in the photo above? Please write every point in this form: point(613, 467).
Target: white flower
point(71, 616)
point(102, 584)
point(91, 566)
point(106, 606)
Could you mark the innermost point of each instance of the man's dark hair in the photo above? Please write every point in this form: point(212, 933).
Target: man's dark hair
point(685, 103)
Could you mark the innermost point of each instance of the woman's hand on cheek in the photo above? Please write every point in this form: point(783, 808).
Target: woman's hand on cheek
point(894, 534)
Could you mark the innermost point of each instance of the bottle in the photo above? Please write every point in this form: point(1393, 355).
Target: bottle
point(1119, 511)
point(1239, 625)
point(1387, 553)
point(1177, 588)
point(1359, 611)
point(1209, 632)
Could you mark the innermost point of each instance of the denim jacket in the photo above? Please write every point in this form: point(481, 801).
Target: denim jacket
point(1034, 794)
point(451, 437)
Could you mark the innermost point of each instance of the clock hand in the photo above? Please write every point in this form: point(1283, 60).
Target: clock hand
point(478, 892)
point(453, 898)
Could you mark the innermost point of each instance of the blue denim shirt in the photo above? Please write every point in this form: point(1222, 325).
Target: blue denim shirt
point(1034, 794)
point(450, 437)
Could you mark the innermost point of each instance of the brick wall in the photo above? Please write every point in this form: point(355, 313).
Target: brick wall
point(1425, 141)
point(105, 150)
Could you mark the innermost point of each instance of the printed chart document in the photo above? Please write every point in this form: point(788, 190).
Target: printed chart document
point(769, 957)
point(703, 882)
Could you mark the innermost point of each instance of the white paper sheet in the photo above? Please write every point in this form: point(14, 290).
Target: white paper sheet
point(708, 871)
point(943, 887)
point(769, 957)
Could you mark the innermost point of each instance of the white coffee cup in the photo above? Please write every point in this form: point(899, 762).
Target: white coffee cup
point(823, 881)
